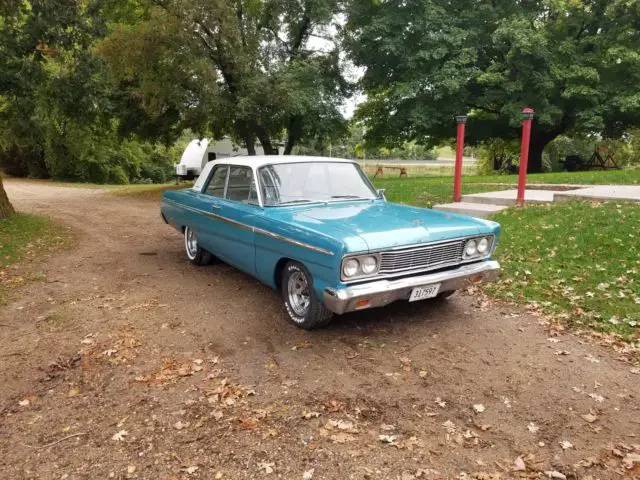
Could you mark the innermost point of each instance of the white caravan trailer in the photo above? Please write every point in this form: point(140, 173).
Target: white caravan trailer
point(199, 152)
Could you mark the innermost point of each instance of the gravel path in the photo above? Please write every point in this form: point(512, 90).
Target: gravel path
point(128, 362)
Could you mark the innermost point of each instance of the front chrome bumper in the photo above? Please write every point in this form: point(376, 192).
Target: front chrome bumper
point(383, 292)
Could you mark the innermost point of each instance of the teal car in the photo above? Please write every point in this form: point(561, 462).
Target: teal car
point(316, 230)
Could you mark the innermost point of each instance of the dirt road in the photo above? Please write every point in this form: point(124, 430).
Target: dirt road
point(128, 362)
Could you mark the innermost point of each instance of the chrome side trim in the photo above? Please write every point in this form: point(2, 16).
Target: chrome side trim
point(277, 236)
point(250, 228)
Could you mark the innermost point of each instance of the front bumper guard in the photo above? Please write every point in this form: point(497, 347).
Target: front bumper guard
point(383, 292)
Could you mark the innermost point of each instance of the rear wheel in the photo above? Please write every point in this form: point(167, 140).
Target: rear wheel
point(304, 308)
point(195, 254)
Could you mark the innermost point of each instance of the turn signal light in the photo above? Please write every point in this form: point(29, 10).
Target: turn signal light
point(362, 304)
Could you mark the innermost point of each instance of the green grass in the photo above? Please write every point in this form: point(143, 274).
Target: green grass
point(426, 191)
point(23, 238)
point(147, 191)
point(579, 261)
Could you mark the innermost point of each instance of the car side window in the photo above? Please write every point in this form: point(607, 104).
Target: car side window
point(202, 178)
point(241, 187)
point(216, 185)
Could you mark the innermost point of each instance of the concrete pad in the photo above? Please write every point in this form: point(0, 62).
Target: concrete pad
point(508, 197)
point(478, 210)
point(602, 193)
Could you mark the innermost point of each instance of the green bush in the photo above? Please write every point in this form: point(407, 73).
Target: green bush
point(77, 153)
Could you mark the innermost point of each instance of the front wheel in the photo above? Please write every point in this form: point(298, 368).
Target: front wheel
point(195, 254)
point(300, 300)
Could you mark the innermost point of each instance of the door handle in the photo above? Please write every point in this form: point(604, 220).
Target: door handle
point(215, 206)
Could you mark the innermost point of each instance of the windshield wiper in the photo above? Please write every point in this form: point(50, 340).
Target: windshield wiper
point(300, 200)
point(348, 196)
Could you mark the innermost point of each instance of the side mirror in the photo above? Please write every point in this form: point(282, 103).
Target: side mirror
point(380, 193)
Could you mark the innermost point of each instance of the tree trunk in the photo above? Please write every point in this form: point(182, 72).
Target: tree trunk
point(291, 141)
point(539, 140)
point(250, 143)
point(267, 147)
point(535, 157)
point(6, 209)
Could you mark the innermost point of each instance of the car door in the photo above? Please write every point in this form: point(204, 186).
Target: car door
point(210, 205)
point(239, 209)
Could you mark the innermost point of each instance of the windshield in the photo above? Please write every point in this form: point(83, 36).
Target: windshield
point(310, 182)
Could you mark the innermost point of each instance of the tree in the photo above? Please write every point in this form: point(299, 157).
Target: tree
point(243, 68)
point(575, 62)
point(45, 69)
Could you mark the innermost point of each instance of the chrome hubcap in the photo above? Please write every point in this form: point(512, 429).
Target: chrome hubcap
point(192, 243)
point(299, 293)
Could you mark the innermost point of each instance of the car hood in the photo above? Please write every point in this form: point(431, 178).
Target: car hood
point(381, 224)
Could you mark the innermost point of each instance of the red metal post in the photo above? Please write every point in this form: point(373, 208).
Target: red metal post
point(457, 172)
point(527, 115)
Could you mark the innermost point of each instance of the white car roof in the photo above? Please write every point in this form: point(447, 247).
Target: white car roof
point(257, 161)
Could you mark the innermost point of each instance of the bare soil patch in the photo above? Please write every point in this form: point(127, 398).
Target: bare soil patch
point(128, 362)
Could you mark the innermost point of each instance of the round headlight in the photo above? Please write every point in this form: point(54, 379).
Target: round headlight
point(483, 245)
point(350, 267)
point(471, 248)
point(368, 264)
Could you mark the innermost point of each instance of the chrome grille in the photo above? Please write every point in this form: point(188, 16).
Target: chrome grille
point(422, 258)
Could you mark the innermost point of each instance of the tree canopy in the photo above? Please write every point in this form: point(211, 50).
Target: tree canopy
point(243, 68)
point(575, 62)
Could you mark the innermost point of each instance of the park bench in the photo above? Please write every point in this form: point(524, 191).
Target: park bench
point(380, 170)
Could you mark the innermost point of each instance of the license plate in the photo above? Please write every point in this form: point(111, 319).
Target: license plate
point(423, 292)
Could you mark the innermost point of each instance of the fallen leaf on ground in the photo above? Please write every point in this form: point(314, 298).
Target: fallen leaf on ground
point(566, 444)
point(596, 397)
point(387, 438)
point(307, 415)
point(518, 465)
point(342, 437)
point(449, 426)
point(266, 467)
point(555, 474)
point(119, 436)
point(589, 417)
point(478, 408)
point(179, 425)
point(591, 359)
point(24, 403)
point(631, 459)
